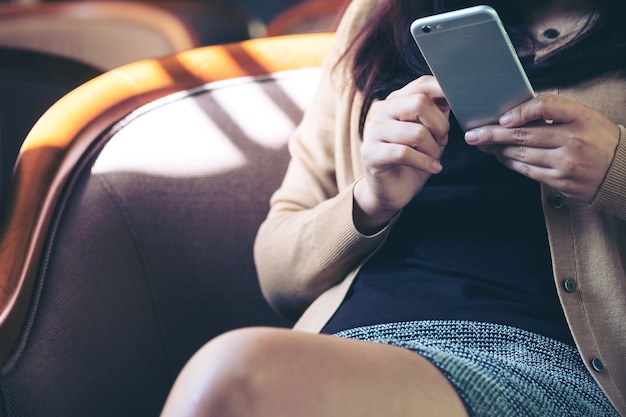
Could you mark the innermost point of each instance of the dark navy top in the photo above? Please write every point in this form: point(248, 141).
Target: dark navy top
point(472, 245)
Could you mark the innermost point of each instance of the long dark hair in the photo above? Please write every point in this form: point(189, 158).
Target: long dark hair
point(386, 57)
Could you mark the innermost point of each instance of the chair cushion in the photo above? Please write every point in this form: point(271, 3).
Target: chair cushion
point(150, 254)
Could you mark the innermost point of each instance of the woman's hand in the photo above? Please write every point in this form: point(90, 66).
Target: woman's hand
point(555, 141)
point(403, 139)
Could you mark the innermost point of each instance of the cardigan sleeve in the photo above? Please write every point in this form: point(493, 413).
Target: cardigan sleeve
point(611, 197)
point(308, 242)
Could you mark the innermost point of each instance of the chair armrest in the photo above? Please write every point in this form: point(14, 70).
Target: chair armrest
point(54, 147)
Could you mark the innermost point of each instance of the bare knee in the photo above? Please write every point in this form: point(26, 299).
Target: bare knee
point(229, 376)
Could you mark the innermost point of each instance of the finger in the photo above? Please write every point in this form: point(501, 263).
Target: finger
point(536, 157)
point(410, 134)
point(395, 155)
point(548, 108)
point(418, 137)
point(427, 85)
point(417, 109)
point(542, 174)
point(534, 135)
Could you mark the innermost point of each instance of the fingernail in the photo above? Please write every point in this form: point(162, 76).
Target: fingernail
point(506, 119)
point(437, 166)
point(471, 136)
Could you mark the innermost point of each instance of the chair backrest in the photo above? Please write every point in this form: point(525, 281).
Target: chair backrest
point(308, 16)
point(213, 23)
point(30, 82)
point(101, 33)
point(127, 239)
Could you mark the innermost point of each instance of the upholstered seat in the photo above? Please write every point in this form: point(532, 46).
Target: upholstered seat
point(213, 23)
point(30, 82)
point(100, 33)
point(127, 238)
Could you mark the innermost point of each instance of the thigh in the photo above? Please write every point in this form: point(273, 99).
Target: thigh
point(277, 372)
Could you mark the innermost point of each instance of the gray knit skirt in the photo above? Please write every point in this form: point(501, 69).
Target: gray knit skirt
point(500, 370)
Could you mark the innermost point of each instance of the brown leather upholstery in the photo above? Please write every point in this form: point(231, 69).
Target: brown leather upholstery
point(30, 82)
point(100, 33)
point(126, 242)
point(213, 23)
point(308, 16)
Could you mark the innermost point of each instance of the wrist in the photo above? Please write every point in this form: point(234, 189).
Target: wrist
point(367, 216)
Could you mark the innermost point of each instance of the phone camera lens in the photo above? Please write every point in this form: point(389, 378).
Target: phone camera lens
point(426, 29)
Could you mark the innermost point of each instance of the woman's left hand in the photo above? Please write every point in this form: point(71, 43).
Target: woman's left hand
point(555, 141)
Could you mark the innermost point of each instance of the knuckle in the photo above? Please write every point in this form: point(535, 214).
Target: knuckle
point(424, 79)
point(445, 129)
point(565, 174)
point(545, 104)
point(545, 100)
point(564, 185)
point(376, 107)
point(520, 135)
point(526, 170)
point(487, 136)
point(415, 131)
point(568, 168)
point(401, 153)
point(370, 130)
point(420, 103)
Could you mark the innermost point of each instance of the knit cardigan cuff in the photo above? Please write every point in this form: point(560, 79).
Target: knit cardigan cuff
point(611, 196)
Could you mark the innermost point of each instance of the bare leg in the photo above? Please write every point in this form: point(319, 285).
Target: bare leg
point(264, 372)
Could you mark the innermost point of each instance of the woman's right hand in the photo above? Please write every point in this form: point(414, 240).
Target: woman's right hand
point(403, 139)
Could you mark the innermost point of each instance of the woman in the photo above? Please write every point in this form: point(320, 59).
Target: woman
point(432, 254)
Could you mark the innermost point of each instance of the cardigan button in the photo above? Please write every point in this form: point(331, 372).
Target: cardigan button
point(556, 201)
point(597, 365)
point(570, 285)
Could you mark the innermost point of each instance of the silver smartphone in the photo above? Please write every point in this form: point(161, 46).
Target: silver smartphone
point(470, 54)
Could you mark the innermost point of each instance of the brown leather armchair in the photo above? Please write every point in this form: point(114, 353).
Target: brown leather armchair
point(126, 239)
point(30, 82)
point(103, 34)
point(308, 16)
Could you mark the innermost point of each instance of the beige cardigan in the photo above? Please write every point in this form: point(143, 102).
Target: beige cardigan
point(308, 241)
